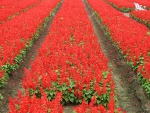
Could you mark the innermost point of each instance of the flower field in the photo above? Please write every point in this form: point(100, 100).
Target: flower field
point(70, 62)
point(142, 2)
point(17, 37)
point(71, 67)
point(134, 44)
point(124, 6)
point(7, 2)
point(7, 13)
point(127, 6)
point(142, 17)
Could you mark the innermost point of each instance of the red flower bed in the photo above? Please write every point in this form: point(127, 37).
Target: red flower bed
point(18, 34)
point(124, 6)
point(131, 37)
point(91, 108)
point(27, 104)
point(141, 16)
point(142, 2)
point(70, 58)
point(145, 15)
point(4, 3)
point(14, 9)
point(70, 61)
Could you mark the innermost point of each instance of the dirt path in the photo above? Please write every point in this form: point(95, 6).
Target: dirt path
point(14, 82)
point(130, 95)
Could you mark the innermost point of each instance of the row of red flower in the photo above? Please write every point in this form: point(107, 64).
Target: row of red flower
point(142, 2)
point(14, 9)
point(4, 3)
point(128, 5)
point(69, 62)
point(124, 3)
point(145, 15)
point(124, 6)
point(141, 16)
point(131, 37)
point(18, 34)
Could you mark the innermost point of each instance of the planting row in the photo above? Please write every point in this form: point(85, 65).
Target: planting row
point(12, 10)
point(129, 5)
point(133, 42)
point(142, 2)
point(18, 35)
point(4, 3)
point(123, 6)
point(141, 16)
point(70, 68)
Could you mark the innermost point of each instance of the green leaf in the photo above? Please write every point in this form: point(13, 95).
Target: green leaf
point(98, 102)
point(71, 95)
point(71, 99)
point(105, 74)
point(74, 112)
point(1, 97)
point(66, 99)
point(89, 96)
point(64, 88)
point(148, 33)
point(80, 101)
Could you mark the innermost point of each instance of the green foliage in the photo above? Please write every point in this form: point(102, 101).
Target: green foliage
point(87, 94)
point(9, 18)
point(126, 10)
point(105, 74)
point(69, 95)
point(148, 54)
point(148, 33)
point(132, 65)
point(145, 84)
point(9, 68)
point(3, 80)
point(1, 97)
point(103, 99)
point(97, 15)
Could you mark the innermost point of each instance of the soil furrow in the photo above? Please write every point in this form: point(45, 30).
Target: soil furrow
point(131, 96)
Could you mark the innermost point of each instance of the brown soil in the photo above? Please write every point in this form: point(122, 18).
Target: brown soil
point(14, 82)
point(68, 109)
point(131, 96)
